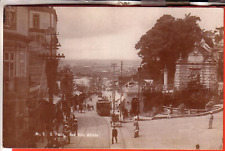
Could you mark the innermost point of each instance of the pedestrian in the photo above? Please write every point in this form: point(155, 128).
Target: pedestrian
point(171, 109)
point(210, 120)
point(168, 113)
point(114, 134)
point(76, 126)
point(197, 146)
point(66, 131)
point(136, 131)
point(136, 122)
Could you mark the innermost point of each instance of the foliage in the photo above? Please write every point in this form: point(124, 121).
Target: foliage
point(152, 100)
point(66, 81)
point(167, 40)
point(194, 97)
point(220, 70)
point(218, 34)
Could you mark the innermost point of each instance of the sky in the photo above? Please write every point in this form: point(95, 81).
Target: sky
point(112, 32)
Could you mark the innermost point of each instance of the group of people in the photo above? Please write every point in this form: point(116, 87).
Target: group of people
point(62, 127)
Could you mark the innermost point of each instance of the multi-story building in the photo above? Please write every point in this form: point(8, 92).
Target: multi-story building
point(24, 79)
point(15, 74)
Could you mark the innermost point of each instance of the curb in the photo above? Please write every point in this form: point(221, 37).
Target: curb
point(191, 115)
point(218, 109)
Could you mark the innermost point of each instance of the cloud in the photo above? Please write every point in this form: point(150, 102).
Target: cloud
point(113, 46)
point(112, 32)
point(86, 22)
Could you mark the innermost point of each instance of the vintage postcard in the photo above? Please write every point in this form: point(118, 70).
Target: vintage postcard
point(113, 77)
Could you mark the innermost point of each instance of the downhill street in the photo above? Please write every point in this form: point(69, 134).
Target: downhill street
point(94, 131)
point(177, 133)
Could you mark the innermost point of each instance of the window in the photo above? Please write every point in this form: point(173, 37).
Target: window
point(6, 56)
point(9, 64)
point(22, 63)
point(10, 17)
point(12, 56)
point(36, 21)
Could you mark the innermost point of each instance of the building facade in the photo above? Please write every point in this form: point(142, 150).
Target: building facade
point(198, 67)
point(24, 79)
point(132, 100)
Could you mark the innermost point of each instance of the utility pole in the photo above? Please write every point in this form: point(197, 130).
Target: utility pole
point(121, 93)
point(121, 70)
point(113, 93)
point(138, 106)
point(51, 67)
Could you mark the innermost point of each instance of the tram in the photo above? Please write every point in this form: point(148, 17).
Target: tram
point(103, 106)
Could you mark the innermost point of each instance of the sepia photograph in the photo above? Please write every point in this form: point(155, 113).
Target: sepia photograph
point(113, 77)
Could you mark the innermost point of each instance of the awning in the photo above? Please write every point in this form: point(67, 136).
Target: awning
point(56, 99)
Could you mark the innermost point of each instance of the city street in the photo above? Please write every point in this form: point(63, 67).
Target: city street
point(177, 133)
point(94, 131)
point(157, 78)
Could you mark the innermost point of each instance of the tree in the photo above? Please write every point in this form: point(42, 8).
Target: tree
point(218, 34)
point(67, 82)
point(167, 40)
point(218, 39)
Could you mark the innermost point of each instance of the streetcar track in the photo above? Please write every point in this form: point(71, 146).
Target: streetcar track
point(133, 142)
point(80, 138)
point(79, 141)
point(109, 128)
point(124, 144)
point(97, 130)
point(92, 139)
point(85, 132)
point(92, 142)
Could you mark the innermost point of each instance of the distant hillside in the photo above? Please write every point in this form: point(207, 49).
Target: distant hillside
point(102, 68)
point(101, 62)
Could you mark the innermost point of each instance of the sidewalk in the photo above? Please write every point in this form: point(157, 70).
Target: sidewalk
point(42, 144)
point(217, 108)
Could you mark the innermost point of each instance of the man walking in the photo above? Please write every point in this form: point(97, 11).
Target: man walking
point(114, 134)
point(76, 125)
point(210, 120)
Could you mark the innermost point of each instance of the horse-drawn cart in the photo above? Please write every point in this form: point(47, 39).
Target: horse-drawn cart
point(116, 121)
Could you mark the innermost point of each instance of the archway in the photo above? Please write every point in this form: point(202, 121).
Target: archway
point(134, 106)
